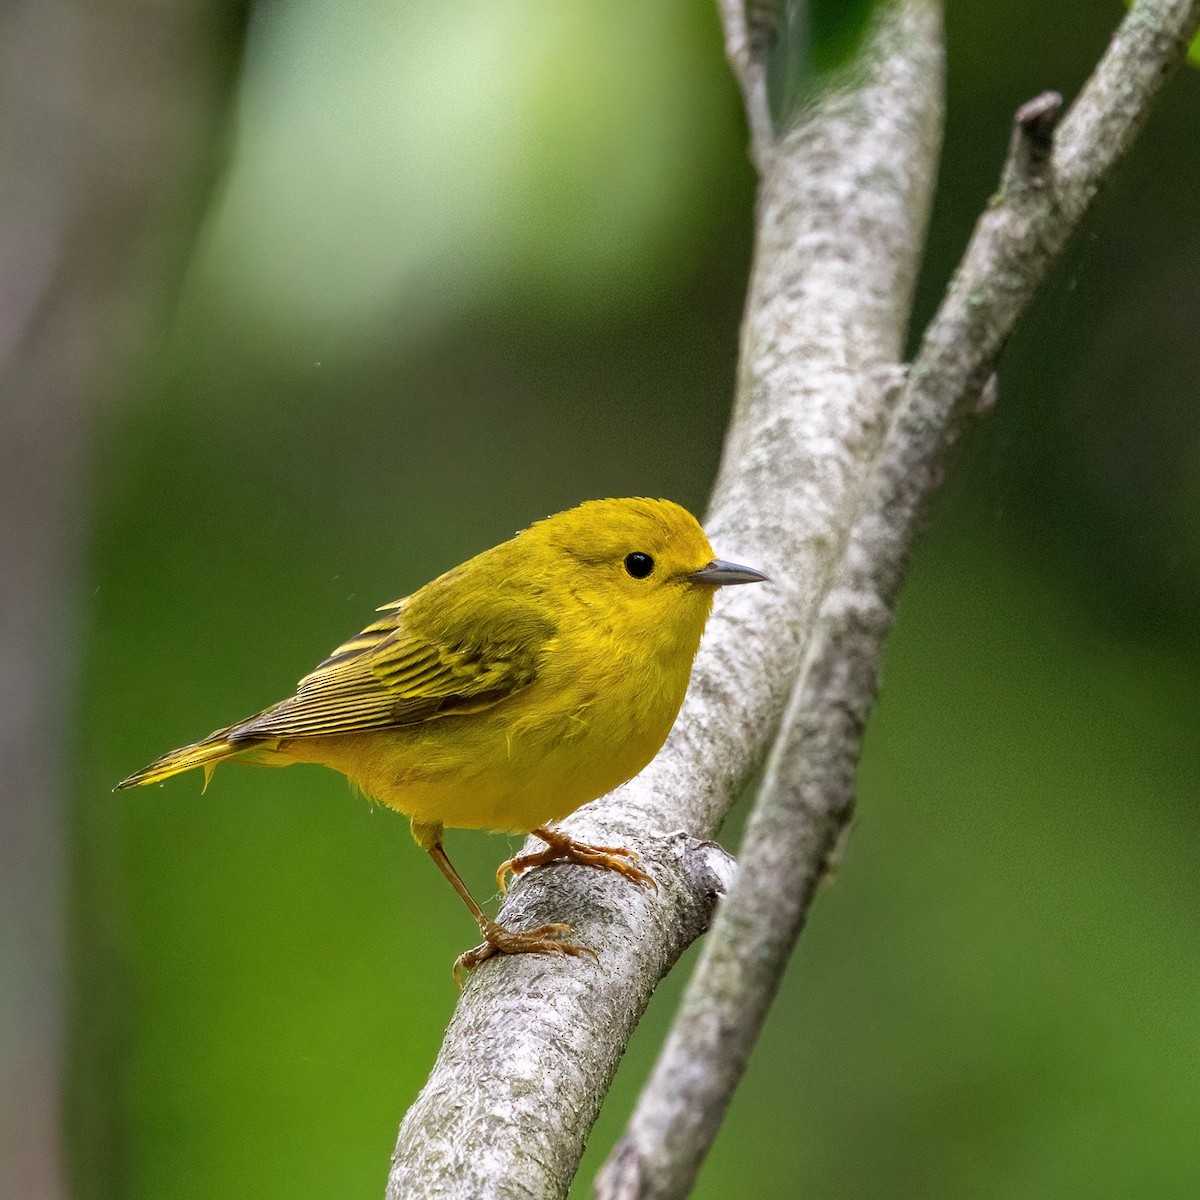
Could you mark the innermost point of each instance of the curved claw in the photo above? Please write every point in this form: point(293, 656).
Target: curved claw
point(561, 848)
point(546, 939)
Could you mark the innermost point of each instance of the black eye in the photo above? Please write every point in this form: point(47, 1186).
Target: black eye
point(639, 565)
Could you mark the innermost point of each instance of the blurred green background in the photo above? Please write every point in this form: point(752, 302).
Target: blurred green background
point(466, 265)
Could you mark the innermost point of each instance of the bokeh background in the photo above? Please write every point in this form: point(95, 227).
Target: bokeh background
point(401, 278)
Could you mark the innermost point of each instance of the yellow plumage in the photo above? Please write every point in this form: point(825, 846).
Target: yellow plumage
point(508, 692)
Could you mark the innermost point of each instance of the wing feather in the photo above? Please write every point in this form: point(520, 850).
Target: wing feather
point(416, 663)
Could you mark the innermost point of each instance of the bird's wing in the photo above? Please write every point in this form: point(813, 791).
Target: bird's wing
point(414, 664)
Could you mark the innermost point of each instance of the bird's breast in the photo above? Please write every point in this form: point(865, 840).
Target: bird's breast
point(589, 722)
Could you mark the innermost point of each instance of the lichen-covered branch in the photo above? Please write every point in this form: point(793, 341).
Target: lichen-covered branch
point(808, 793)
point(535, 1042)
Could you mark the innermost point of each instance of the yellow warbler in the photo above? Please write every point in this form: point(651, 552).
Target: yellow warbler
point(506, 693)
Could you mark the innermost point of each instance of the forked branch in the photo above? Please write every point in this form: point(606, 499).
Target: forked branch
point(807, 797)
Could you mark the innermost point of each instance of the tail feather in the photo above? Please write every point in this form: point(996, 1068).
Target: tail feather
point(204, 754)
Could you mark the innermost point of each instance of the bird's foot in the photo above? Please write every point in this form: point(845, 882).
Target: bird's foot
point(561, 848)
point(546, 939)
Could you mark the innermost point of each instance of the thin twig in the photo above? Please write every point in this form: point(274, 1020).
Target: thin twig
point(535, 1042)
point(747, 61)
point(808, 793)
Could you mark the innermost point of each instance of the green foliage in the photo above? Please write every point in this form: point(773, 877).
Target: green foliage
point(438, 153)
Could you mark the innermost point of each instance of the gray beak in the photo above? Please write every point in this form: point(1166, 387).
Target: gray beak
point(720, 573)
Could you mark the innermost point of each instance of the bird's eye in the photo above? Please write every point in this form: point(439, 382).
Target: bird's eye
point(639, 565)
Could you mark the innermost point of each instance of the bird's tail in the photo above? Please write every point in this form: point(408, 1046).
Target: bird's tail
point(206, 754)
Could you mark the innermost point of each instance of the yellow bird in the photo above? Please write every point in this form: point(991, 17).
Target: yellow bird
point(516, 687)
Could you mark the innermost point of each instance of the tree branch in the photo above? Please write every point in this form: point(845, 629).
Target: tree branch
point(746, 56)
point(807, 796)
point(534, 1043)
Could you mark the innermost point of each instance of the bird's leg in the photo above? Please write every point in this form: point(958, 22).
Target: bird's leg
point(546, 939)
point(560, 847)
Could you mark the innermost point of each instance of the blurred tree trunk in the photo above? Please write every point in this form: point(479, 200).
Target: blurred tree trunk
point(108, 120)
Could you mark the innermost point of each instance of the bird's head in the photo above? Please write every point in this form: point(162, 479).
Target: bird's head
point(645, 563)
